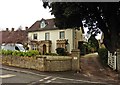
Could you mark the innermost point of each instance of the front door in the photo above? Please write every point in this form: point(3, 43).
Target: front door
point(44, 49)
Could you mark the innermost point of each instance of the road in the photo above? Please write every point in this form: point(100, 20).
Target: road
point(26, 77)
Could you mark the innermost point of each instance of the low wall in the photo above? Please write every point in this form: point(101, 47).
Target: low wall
point(39, 63)
point(58, 64)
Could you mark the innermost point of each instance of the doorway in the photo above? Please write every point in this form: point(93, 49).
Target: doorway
point(44, 49)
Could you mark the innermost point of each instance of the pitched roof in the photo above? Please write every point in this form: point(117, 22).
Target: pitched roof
point(50, 25)
point(18, 36)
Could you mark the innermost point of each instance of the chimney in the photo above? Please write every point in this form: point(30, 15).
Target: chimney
point(7, 29)
point(12, 29)
point(26, 28)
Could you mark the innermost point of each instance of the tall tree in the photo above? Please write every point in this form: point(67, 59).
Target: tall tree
point(97, 15)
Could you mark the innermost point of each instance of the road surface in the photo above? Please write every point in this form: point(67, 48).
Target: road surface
point(15, 76)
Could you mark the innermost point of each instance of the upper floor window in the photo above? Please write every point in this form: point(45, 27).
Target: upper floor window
point(62, 35)
point(42, 25)
point(47, 36)
point(35, 36)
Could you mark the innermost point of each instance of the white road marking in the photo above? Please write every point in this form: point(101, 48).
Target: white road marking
point(45, 78)
point(7, 76)
point(48, 77)
point(48, 81)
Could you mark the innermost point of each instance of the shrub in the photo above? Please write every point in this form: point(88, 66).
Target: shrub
point(6, 52)
point(32, 53)
point(61, 51)
point(19, 53)
point(82, 49)
point(103, 54)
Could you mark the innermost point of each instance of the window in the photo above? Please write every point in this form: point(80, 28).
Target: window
point(35, 36)
point(34, 47)
point(62, 35)
point(42, 25)
point(47, 36)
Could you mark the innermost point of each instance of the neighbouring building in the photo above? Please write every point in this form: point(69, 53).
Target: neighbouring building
point(13, 37)
point(46, 37)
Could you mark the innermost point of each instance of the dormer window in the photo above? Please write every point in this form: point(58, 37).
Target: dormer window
point(43, 24)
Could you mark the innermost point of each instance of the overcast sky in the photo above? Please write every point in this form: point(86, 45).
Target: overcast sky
point(16, 13)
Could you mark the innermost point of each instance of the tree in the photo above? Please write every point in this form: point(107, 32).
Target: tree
point(93, 42)
point(103, 16)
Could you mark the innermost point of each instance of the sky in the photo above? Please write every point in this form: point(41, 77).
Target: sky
point(16, 13)
point(22, 13)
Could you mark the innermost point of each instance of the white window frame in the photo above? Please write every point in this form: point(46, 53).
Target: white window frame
point(47, 36)
point(62, 36)
point(42, 24)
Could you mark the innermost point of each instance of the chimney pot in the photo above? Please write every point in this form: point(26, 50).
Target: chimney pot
point(26, 28)
point(7, 29)
point(12, 29)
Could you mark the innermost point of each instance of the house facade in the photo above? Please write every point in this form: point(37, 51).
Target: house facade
point(45, 37)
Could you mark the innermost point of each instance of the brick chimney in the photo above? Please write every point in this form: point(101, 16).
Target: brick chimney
point(7, 29)
point(12, 29)
point(26, 28)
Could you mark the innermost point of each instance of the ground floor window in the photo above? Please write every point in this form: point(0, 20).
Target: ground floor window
point(34, 47)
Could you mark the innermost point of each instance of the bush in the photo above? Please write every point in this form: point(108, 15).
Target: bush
point(82, 49)
point(6, 52)
point(32, 53)
point(19, 53)
point(61, 51)
point(103, 54)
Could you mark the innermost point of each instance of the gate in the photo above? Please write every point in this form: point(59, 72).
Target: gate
point(112, 60)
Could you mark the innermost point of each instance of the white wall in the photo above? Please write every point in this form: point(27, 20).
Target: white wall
point(54, 35)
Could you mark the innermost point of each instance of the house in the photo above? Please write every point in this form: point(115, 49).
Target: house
point(13, 37)
point(46, 37)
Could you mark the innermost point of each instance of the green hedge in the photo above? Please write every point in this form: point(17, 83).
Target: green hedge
point(103, 54)
point(61, 51)
point(19, 53)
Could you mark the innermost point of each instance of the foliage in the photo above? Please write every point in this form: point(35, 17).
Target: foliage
point(6, 52)
point(19, 53)
point(82, 48)
point(103, 16)
point(103, 55)
point(61, 51)
point(93, 43)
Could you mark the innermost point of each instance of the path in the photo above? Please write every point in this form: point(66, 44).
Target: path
point(91, 67)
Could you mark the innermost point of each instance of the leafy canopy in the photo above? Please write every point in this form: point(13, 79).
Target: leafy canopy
point(96, 15)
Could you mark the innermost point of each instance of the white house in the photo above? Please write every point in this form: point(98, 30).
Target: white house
point(46, 37)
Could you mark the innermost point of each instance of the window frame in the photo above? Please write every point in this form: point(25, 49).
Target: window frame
point(47, 36)
point(61, 36)
point(42, 24)
point(35, 36)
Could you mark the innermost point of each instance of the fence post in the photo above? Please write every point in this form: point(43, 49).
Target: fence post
point(76, 60)
point(118, 62)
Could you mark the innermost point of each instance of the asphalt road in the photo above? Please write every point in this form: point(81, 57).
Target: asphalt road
point(14, 76)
